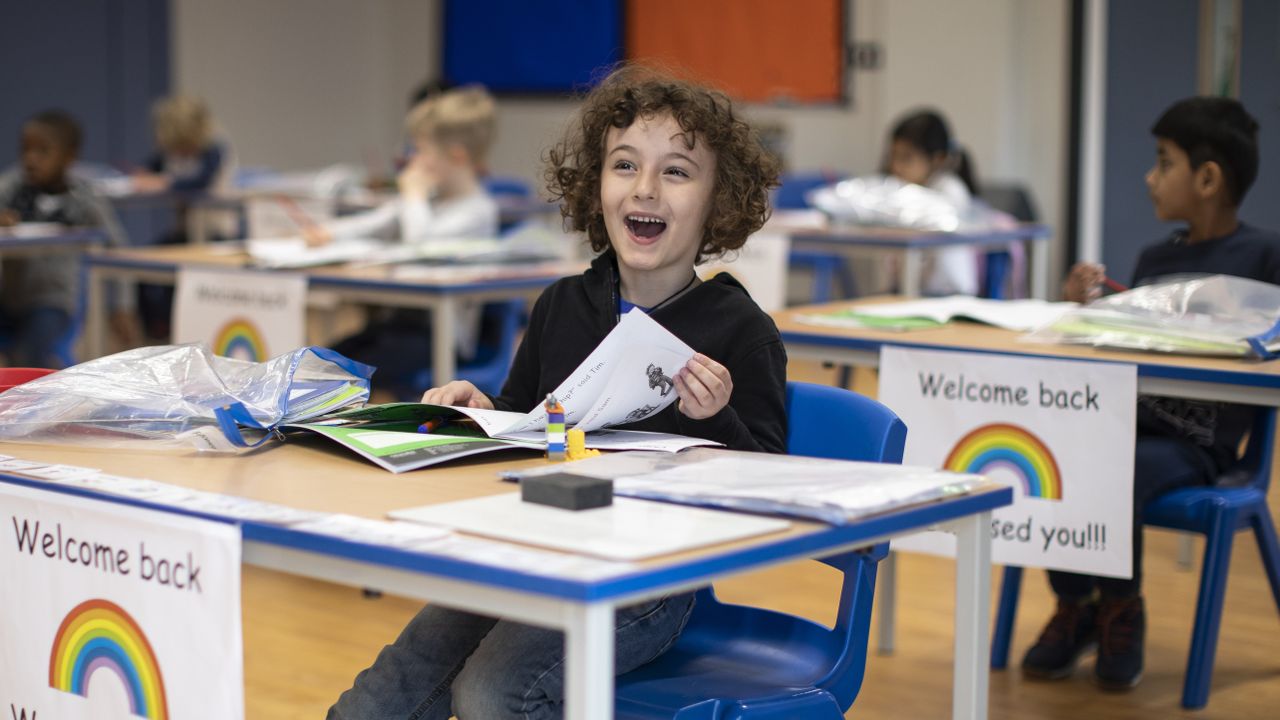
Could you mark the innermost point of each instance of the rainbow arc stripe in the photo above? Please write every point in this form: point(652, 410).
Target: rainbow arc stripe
point(1012, 448)
point(98, 634)
point(240, 336)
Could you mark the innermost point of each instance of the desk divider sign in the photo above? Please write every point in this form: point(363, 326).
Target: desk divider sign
point(243, 314)
point(1061, 432)
point(112, 611)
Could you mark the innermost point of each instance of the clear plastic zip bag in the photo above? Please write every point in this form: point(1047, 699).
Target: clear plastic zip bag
point(179, 396)
point(1211, 315)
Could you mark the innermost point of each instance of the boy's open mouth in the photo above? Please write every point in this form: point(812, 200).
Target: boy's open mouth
point(645, 226)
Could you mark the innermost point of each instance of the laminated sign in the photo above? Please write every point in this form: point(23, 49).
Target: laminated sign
point(245, 315)
point(116, 612)
point(1061, 432)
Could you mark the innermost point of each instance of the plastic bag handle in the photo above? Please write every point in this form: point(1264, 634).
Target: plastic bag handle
point(231, 418)
point(1258, 343)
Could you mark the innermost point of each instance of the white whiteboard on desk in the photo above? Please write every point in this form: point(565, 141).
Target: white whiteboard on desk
point(628, 529)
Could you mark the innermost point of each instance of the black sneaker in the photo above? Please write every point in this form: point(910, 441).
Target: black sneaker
point(1122, 630)
point(1071, 632)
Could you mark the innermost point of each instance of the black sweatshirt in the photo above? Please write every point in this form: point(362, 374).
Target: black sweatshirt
point(716, 318)
point(1248, 252)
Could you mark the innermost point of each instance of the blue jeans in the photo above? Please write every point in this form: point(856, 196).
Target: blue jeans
point(1160, 464)
point(449, 662)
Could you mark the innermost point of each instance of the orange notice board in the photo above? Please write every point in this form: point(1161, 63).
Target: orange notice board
point(755, 50)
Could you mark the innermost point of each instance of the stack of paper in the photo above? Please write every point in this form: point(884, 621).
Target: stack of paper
point(832, 491)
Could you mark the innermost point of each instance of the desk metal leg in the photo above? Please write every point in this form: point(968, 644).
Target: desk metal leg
point(1038, 254)
point(588, 641)
point(95, 322)
point(909, 283)
point(197, 225)
point(887, 600)
point(1186, 551)
point(973, 617)
point(444, 319)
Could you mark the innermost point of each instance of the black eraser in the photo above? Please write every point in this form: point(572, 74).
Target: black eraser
point(570, 492)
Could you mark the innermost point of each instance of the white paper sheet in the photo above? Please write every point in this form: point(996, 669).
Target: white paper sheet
point(627, 378)
point(626, 530)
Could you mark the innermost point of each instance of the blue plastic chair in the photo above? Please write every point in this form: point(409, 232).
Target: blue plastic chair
point(509, 186)
point(488, 369)
point(1237, 502)
point(743, 663)
point(827, 268)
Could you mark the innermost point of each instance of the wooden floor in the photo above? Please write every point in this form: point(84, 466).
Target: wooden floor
point(306, 640)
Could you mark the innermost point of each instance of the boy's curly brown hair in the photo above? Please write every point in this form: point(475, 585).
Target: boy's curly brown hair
point(744, 170)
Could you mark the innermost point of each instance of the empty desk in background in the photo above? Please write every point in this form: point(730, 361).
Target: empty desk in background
point(404, 286)
point(911, 245)
point(37, 240)
point(315, 480)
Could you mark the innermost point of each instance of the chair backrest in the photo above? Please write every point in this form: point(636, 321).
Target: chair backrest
point(790, 194)
point(839, 424)
point(499, 185)
point(1012, 198)
point(12, 377)
point(1254, 467)
point(836, 424)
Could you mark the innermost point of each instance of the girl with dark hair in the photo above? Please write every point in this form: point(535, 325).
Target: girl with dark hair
point(922, 151)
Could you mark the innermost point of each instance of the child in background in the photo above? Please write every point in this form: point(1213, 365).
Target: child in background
point(440, 197)
point(39, 294)
point(660, 174)
point(440, 190)
point(188, 159)
point(921, 151)
point(1206, 159)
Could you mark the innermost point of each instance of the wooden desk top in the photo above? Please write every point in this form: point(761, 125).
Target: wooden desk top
point(961, 335)
point(233, 255)
point(906, 237)
point(315, 474)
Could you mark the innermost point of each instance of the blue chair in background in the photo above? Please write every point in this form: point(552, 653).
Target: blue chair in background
point(827, 268)
point(1015, 200)
point(512, 194)
point(1238, 501)
point(742, 663)
point(499, 186)
point(502, 322)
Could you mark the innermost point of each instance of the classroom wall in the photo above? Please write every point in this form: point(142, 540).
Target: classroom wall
point(300, 84)
point(1260, 93)
point(998, 68)
point(1151, 62)
point(113, 60)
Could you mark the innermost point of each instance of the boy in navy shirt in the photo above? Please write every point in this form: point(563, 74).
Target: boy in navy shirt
point(1206, 160)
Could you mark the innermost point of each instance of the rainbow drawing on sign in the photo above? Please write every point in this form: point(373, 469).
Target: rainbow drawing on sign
point(98, 634)
point(240, 338)
point(1011, 448)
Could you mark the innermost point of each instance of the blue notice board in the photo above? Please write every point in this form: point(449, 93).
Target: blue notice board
point(516, 46)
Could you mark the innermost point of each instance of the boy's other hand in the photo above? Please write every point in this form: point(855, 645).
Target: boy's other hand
point(149, 183)
point(316, 236)
point(460, 393)
point(1084, 282)
point(416, 181)
point(704, 387)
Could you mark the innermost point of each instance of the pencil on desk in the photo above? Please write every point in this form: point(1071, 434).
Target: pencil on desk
point(1112, 285)
point(298, 215)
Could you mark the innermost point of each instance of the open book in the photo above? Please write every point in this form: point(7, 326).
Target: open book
point(1021, 315)
point(627, 378)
